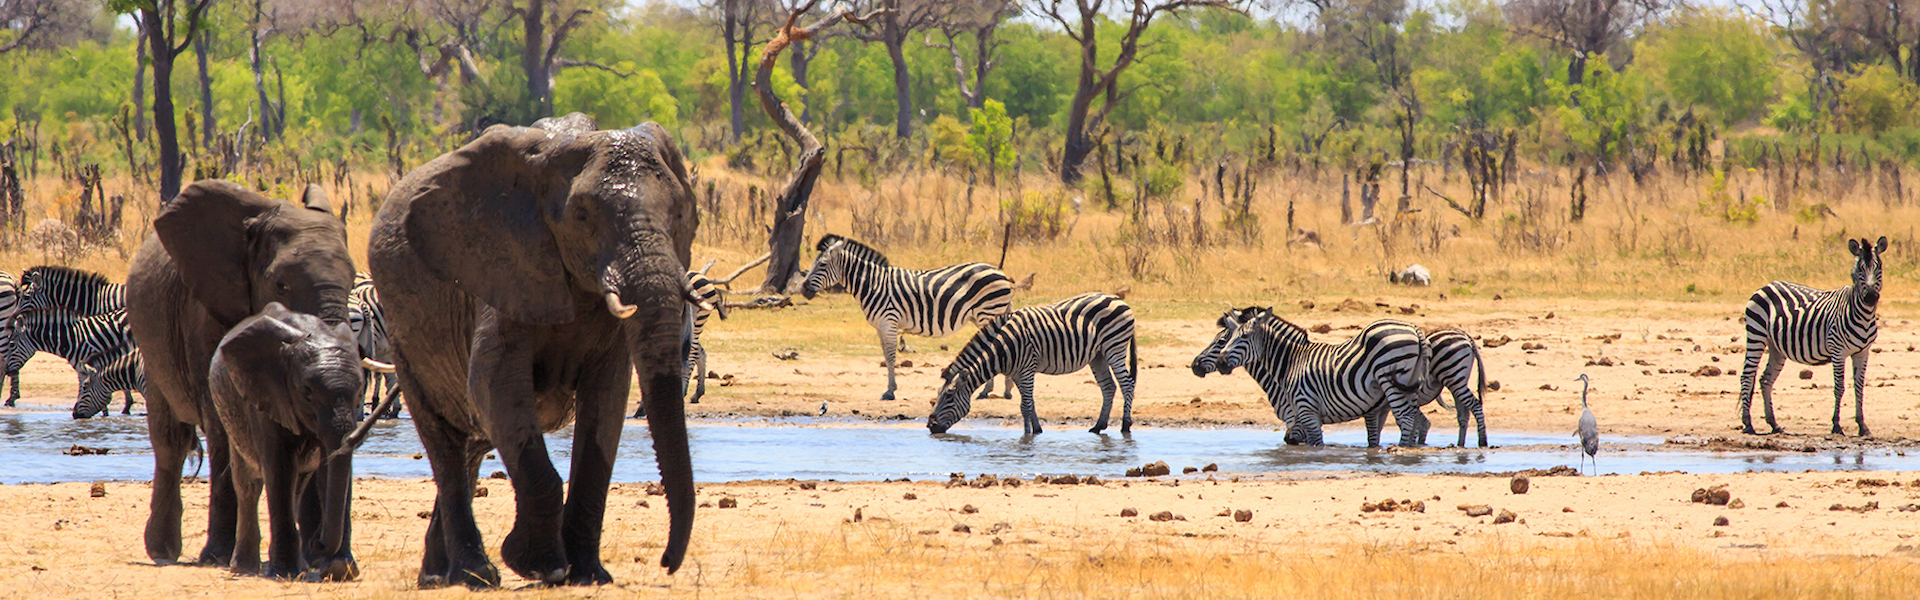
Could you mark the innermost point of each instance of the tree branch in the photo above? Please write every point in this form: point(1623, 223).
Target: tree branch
point(568, 62)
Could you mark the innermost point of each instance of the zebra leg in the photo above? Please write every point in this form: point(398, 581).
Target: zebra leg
point(1772, 374)
point(1030, 419)
point(1376, 421)
point(889, 342)
point(1102, 376)
point(1125, 377)
point(1839, 390)
point(15, 394)
point(699, 373)
point(127, 409)
point(1860, 390)
point(1309, 430)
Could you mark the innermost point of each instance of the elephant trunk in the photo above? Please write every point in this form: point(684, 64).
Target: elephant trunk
point(658, 334)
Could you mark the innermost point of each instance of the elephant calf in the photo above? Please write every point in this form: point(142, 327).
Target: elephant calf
point(287, 387)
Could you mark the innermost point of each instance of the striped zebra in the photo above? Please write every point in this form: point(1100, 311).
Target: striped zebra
point(1387, 369)
point(931, 303)
point(708, 292)
point(77, 338)
point(58, 287)
point(9, 305)
point(116, 371)
point(1086, 331)
point(1815, 327)
point(1456, 360)
point(368, 320)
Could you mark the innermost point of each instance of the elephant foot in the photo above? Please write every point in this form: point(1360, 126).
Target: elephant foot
point(279, 572)
point(477, 576)
point(542, 562)
point(337, 569)
point(211, 556)
point(593, 574)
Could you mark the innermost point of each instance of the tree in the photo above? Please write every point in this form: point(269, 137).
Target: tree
point(1584, 28)
point(161, 23)
point(896, 21)
point(981, 20)
point(42, 23)
point(544, 30)
point(1713, 59)
point(738, 18)
point(1096, 82)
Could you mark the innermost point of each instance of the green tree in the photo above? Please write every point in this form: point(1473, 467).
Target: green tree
point(1877, 99)
point(1712, 58)
point(991, 138)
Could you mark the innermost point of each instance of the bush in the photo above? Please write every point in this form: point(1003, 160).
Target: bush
point(1036, 216)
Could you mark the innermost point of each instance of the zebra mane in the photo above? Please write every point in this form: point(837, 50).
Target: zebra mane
point(855, 249)
point(89, 278)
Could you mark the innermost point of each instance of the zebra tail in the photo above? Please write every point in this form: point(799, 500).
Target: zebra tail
point(1480, 365)
point(1133, 360)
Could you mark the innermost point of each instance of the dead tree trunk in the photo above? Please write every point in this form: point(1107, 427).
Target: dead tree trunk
point(790, 215)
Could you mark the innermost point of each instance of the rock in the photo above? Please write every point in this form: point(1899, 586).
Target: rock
point(1719, 496)
point(809, 485)
point(1720, 521)
point(1189, 470)
point(859, 515)
point(1322, 328)
point(1128, 512)
point(1242, 516)
point(79, 450)
point(1566, 509)
point(1210, 468)
point(1478, 510)
point(1068, 479)
point(1090, 480)
point(655, 489)
point(968, 509)
point(643, 504)
point(1707, 371)
point(480, 492)
point(1493, 385)
point(1156, 469)
point(906, 364)
point(1736, 503)
point(962, 528)
point(1699, 495)
point(1162, 516)
point(424, 514)
point(99, 490)
point(909, 496)
point(1495, 342)
point(1225, 512)
point(1520, 484)
point(1012, 482)
point(984, 481)
point(729, 503)
point(1506, 516)
point(1133, 472)
point(1782, 504)
point(1806, 373)
point(498, 475)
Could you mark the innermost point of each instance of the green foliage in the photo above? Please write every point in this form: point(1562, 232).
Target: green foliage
point(991, 137)
point(615, 102)
point(1712, 58)
point(1877, 99)
point(1718, 203)
point(1036, 215)
point(1603, 110)
point(1164, 181)
point(949, 142)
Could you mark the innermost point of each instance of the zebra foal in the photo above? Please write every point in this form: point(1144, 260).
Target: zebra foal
point(931, 303)
point(1387, 369)
point(1086, 331)
point(1815, 327)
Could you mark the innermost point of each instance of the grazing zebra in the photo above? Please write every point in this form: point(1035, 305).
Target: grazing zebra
point(1386, 369)
point(79, 339)
point(1815, 327)
point(928, 303)
point(56, 287)
point(1086, 331)
point(116, 371)
point(368, 321)
point(1455, 362)
point(9, 305)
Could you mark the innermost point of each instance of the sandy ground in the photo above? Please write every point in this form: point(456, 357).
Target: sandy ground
point(786, 540)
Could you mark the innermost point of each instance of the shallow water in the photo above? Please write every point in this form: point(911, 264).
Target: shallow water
point(31, 446)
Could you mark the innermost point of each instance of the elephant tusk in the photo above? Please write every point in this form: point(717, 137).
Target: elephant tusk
point(376, 366)
point(619, 310)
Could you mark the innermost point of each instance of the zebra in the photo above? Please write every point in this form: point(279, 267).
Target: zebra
point(1815, 327)
point(58, 287)
point(696, 364)
point(1092, 330)
point(895, 300)
point(1456, 360)
point(368, 320)
point(9, 305)
point(118, 370)
point(1386, 369)
point(77, 338)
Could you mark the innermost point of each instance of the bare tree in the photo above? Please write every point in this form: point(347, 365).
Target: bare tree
point(1082, 23)
point(1584, 28)
point(895, 23)
point(789, 218)
point(980, 19)
point(738, 19)
point(169, 27)
point(544, 26)
point(43, 23)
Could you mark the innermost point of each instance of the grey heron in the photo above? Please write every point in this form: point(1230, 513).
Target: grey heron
point(1589, 430)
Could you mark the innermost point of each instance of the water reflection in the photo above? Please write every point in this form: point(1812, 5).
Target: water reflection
point(31, 446)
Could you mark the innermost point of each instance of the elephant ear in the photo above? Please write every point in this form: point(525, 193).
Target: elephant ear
point(475, 218)
point(206, 229)
point(254, 356)
point(316, 199)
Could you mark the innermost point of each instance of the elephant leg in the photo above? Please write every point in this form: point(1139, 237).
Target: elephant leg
point(1103, 377)
point(246, 550)
point(500, 380)
point(455, 553)
point(172, 441)
point(889, 340)
point(310, 510)
point(284, 512)
point(221, 500)
point(601, 401)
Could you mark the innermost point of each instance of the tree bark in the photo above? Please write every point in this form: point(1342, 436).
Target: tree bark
point(208, 127)
point(532, 58)
point(736, 32)
point(902, 92)
point(140, 84)
point(257, 33)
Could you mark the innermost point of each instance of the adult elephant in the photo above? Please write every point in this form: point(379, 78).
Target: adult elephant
point(522, 274)
point(219, 253)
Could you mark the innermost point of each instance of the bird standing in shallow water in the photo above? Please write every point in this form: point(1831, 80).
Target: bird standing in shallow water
point(823, 409)
point(1589, 431)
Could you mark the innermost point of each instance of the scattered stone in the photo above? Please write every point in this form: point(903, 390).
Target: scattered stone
point(1699, 495)
point(909, 496)
point(1162, 516)
point(1520, 484)
point(1532, 346)
point(1496, 342)
point(729, 503)
point(498, 475)
point(1720, 521)
point(1012, 482)
point(1547, 387)
point(859, 514)
point(1506, 516)
point(906, 364)
point(1156, 469)
point(1090, 480)
point(1806, 373)
point(480, 491)
point(425, 514)
point(1477, 510)
point(1605, 361)
point(99, 490)
point(655, 489)
point(1736, 503)
point(1566, 509)
point(809, 485)
point(1189, 470)
point(1782, 504)
point(984, 481)
point(1493, 385)
point(790, 355)
point(643, 504)
point(1242, 516)
point(1068, 479)
point(968, 509)
point(1210, 468)
point(1133, 471)
point(1719, 496)
point(1128, 512)
point(1321, 328)
point(706, 505)
point(1225, 512)
point(1870, 506)
point(79, 450)
point(962, 528)
point(1870, 483)
point(1642, 362)
point(1707, 371)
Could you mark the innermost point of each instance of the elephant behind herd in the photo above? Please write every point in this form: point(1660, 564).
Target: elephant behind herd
point(524, 277)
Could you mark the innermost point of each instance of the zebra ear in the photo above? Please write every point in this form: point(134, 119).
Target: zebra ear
point(1853, 247)
point(1881, 246)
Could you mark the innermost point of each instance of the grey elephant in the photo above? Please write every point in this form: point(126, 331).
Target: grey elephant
point(287, 388)
point(220, 253)
point(526, 276)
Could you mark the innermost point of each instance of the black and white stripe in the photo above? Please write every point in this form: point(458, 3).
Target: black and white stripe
point(932, 303)
point(116, 371)
point(81, 292)
point(9, 305)
point(1386, 369)
point(1456, 360)
point(1086, 331)
point(368, 320)
point(696, 365)
point(77, 338)
point(1815, 327)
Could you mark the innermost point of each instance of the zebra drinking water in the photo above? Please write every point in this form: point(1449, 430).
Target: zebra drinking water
point(118, 370)
point(83, 293)
point(368, 321)
point(1086, 331)
point(79, 339)
point(929, 303)
point(1815, 327)
point(1386, 369)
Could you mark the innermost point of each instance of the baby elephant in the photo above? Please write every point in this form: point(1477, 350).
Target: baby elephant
point(288, 386)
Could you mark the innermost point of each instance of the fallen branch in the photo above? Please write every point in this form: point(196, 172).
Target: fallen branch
point(1456, 206)
point(728, 280)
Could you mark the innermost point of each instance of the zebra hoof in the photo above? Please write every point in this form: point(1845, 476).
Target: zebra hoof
point(1864, 433)
point(886, 396)
point(1776, 431)
point(1838, 431)
point(1097, 429)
